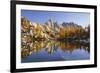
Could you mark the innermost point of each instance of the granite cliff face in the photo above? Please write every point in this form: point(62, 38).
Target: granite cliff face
point(52, 30)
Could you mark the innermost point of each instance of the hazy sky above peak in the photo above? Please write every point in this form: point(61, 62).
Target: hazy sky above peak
point(79, 18)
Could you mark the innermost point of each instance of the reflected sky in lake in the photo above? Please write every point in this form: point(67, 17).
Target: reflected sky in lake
point(43, 51)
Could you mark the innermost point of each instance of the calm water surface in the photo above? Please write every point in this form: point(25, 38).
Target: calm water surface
point(43, 51)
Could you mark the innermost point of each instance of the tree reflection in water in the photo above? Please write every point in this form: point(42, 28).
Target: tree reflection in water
point(51, 47)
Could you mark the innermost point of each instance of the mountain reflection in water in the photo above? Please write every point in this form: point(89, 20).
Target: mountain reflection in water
point(43, 51)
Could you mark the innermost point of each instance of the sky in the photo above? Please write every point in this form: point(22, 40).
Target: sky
point(42, 17)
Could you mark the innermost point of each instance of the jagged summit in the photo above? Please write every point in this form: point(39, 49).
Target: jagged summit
point(71, 24)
